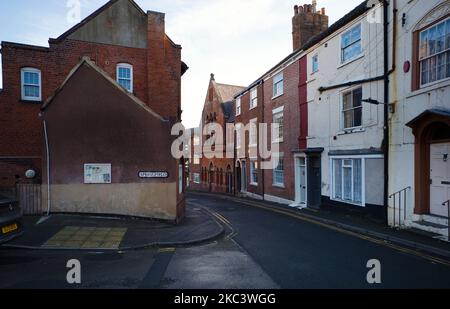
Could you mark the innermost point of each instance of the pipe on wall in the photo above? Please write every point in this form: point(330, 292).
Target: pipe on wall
point(47, 149)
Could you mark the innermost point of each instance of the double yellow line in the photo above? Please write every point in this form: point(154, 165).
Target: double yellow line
point(342, 231)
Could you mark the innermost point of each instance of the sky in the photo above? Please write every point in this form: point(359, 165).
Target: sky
point(237, 40)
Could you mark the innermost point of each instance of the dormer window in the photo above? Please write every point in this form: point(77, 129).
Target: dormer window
point(31, 84)
point(125, 76)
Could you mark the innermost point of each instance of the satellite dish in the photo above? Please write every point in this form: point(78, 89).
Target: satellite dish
point(30, 174)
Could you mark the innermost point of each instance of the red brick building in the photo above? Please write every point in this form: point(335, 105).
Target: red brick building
point(130, 45)
point(208, 172)
point(278, 97)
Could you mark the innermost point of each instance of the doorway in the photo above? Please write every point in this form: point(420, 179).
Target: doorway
point(300, 182)
point(439, 178)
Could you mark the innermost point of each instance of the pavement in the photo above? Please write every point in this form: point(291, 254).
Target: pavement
point(261, 248)
point(82, 232)
point(353, 223)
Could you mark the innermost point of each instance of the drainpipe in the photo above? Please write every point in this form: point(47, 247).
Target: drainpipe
point(47, 148)
point(263, 172)
point(386, 106)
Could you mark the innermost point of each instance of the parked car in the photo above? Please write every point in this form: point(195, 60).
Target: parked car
point(10, 219)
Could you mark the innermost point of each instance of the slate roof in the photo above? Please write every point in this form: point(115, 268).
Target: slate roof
point(227, 92)
point(352, 15)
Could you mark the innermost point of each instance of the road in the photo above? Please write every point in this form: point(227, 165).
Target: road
point(261, 249)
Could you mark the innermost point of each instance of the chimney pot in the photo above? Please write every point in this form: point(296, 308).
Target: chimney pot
point(323, 12)
point(296, 9)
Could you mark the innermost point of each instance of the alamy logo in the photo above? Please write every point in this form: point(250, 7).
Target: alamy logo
point(375, 15)
point(219, 144)
point(74, 14)
point(74, 273)
point(374, 274)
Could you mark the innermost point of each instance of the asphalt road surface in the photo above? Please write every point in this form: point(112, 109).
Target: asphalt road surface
point(261, 249)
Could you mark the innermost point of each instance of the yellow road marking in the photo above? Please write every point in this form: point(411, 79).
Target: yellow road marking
point(343, 231)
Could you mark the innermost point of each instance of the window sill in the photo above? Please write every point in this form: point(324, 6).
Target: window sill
point(429, 87)
point(278, 141)
point(278, 186)
point(253, 184)
point(348, 202)
point(252, 108)
point(277, 96)
point(343, 64)
point(252, 145)
point(351, 131)
point(31, 101)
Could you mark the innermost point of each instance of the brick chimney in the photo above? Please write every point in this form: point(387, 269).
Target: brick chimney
point(163, 69)
point(307, 22)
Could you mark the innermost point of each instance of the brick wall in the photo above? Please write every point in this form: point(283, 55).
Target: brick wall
point(157, 82)
point(290, 101)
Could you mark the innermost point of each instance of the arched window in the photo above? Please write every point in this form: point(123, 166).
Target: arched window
point(31, 84)
point(125, 76)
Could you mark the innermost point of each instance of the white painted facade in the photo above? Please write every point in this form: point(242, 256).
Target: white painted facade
point(409, 104)
point(325, 109)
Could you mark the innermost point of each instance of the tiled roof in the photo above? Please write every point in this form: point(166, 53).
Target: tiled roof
point(227, 92)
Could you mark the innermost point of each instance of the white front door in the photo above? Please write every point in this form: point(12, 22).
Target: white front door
point(440, 178)
point(300, 181)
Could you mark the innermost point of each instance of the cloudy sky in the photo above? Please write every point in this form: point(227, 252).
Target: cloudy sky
point(237, 40)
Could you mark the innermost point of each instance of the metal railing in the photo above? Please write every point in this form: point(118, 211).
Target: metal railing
point(400, 197)
point(447, 203)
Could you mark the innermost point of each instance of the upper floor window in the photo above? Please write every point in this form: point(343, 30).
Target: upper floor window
point(434, 53)
point(278, 85)
point(253, 133)
point(125, 76)
point(351, 44)
point(315, 63)
point(352, 108)
point(31, 84)
point(278, 125)
point(254, 98)
point(238, 106)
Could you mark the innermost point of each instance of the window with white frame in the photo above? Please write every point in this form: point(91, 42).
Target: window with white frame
point(253, 140)
point(238, 106)
point(351, 46)
point(352, 108)
point(254, 98)
point(315, 63)
point(278, 173)
point(31, 84)
point(278, 85)
point(254, 172)
point(196, 178)
point(125, 76)
point(434, 53)
point(347, 180)
point(278, 125)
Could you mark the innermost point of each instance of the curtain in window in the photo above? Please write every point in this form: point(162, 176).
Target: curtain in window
point(357, 180)
point(347, 172)
point(337, 179)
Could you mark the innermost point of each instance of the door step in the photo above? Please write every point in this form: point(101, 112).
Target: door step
point(439, 231)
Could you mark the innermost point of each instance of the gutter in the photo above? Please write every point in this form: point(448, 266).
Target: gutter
point(357, 82)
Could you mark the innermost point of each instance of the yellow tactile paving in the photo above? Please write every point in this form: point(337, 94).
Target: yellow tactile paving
point(73, 237)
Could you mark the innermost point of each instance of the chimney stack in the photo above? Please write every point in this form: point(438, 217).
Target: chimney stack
point(307, 23)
